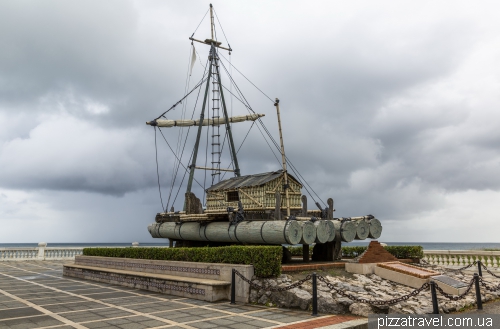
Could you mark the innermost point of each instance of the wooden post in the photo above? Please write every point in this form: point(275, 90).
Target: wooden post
point(304, 206)
point(277, 209)
point(330, 209)
point(283, 158)
point(212, 21)
point(198, 136)
point(305, 253)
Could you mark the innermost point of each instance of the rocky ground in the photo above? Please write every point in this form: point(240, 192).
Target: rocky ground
point(370, 287)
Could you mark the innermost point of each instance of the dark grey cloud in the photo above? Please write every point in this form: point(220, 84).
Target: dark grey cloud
point(389, 109)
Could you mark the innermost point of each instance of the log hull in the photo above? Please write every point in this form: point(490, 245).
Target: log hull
point(362, 230)
point(251, 232)
point(345, 230)
point(269, 232)
point(324, 231)
point(308, 232)
point(375, 229)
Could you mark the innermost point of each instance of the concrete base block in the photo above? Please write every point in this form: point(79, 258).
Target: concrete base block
point(208, 291)
point(216, 278)
point(398, 277)
point(365, 268)
point(453, 287)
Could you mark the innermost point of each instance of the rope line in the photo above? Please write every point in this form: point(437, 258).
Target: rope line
point(181, 131)
point(263, 93)
point(229, 46)
point(182, 181)
point(157, 172)
point(180, 101)
point(200, 22)
point(176, 156)
point(249, 108)
point(253, 123)
point(275, 143)
point(174, 178)
point(241, 98)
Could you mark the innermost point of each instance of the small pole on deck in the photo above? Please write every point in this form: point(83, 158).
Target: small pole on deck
point(233, 288)
point(479, 265)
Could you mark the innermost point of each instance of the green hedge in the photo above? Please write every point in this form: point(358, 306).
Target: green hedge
point(397, 251)
point(265, 259)
point(406, 251)
point(351, 252)
point(297, 250)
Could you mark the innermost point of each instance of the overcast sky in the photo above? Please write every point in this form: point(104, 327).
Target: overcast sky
point(392, 108)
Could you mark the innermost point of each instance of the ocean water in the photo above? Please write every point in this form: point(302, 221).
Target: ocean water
point(164, 243)
point(436, 245)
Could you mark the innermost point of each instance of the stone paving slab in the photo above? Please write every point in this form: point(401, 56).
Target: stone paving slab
point(34, 294)
point(30, 322)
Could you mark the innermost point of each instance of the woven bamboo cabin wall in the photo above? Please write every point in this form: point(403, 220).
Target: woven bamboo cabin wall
point(256, 192)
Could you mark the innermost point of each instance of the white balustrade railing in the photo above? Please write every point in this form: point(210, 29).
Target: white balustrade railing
point(462, 258)
point(42, 252)
point(454, 258)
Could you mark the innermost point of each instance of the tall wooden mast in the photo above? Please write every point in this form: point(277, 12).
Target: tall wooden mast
point(283, 158)
point(213, 62)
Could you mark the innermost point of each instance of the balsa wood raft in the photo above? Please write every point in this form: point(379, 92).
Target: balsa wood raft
point(252, 210)
point(262, 208)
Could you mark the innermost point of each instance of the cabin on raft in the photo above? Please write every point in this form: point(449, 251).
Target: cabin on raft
point(257, 193)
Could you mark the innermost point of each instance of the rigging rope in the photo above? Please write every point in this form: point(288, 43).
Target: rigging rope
point(183, 148)
point(273, 140)
point(248, 108)
point(249, 80)
point(176, 157)
point(157, 172)
point(182, 181)
point(200, 22)
point(244, 101)
point(179, 102)
point(229, 46)
point(181, 131)
point(244, 139)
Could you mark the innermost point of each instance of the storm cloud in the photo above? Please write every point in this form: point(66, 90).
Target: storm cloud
point(390, 108)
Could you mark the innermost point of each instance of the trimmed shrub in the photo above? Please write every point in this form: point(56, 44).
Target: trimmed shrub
point(351, 252)
point(265, 259)
point(406, 251)
point(402, 252)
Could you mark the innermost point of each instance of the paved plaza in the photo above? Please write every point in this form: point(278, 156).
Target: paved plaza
point(34, 294)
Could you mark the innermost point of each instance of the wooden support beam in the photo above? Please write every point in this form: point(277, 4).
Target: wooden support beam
point(305, 253)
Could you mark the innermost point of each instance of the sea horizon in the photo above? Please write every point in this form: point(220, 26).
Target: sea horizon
point(425, 245)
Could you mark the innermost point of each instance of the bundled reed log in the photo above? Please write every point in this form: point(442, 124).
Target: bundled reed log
point(362, 229)
point(324, 231)
point(257, 232)
point(344, 230)
point(375, 229)
point(269, 232)
point(332, 230)
point(308, 232)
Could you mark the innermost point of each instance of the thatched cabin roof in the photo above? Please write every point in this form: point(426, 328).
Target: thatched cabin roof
point(248, 181)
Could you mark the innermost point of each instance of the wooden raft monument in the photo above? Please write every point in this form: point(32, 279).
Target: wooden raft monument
point(262, 208)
